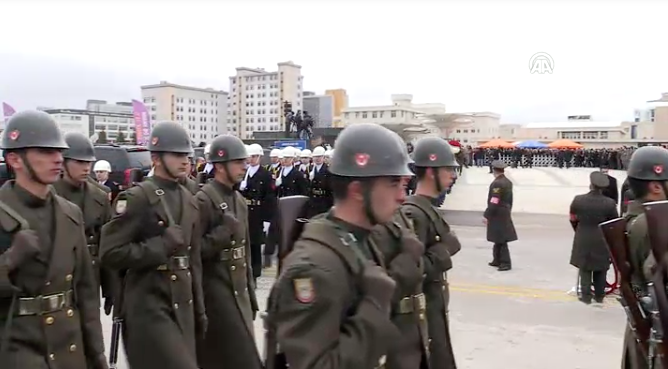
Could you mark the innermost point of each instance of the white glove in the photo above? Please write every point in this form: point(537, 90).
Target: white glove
point(242, 185)
point(265, 226)
point(279, 181)
point(311, 175)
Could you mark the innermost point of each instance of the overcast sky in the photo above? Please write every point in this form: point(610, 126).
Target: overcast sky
point(609, 56)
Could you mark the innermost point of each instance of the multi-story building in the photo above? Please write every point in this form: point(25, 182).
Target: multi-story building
point(340, 97)
point(321, 108)
point(112, 125)
point(256, 98)
point(202, 111)
point(90, 122)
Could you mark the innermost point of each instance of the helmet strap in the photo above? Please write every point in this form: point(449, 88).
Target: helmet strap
point(31, 172)
point(437, 180)
point(161, 157)
point(368, 204)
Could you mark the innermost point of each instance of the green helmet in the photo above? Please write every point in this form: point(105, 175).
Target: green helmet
point(32, 128)
point(433, 152)
point(169, 137)
point(369, 150)
point(226, 148)
point(80, 148)
point(649, 163)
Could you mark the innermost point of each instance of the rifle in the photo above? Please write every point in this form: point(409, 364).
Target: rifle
point(614, 232)
point(291, 220)
point(655, 214)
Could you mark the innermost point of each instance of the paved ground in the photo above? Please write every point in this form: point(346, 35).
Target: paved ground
point(523, 318)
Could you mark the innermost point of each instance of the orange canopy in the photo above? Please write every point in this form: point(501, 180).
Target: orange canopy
point(564, 144)
point(497, 143)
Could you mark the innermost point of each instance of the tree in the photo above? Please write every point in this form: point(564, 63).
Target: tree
point(120, 138)
point(132, 138)
point(102, 137)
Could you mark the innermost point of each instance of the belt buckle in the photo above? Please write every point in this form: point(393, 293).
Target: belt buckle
point(238, 253)
point(248, 202)
point(421, 301)
point(181, 262)
point(51, 303)
point(406, 305)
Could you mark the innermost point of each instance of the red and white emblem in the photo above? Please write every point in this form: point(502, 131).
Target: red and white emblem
point(304, 291)
point(432, 157)
point(154, 141)
point(362, 159)
point(221, 153)
point(658, 169)
point(14, 135)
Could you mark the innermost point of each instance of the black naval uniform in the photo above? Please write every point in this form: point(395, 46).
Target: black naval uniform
point(321, 193)
point(261, 200)
point(292, 183)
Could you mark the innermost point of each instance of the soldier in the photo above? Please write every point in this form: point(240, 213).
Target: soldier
point(229, 292)
point(627, 197)
point(51, 305)
point(154, 240)
point(328, 155)
point(647, 176)
point(435, 166)
point(321, 193)
point(590, 253)
point(330, 305)
point(275, 157)
point(188, 181)
point(500, 228)
point(75, 186)
point(291, 182)
point(102, 169)
point(305, 161)
point(258, 189)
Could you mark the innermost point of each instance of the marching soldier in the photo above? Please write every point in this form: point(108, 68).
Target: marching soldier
point(500, 228)
point(647, 176)
point(275, 156)
point(154, 240)
point(330, 305)
point(305, 161)
point(321, 193)
point(590, 253)
point(229, 293)
point(50, 300)
point(257, 187)
point(76, 187)
point(435, 166)
point(275, 168)
point(328, 155)
point(188, 182)
point(291, 181)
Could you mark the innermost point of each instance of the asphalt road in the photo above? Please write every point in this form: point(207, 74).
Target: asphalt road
point(522, 318)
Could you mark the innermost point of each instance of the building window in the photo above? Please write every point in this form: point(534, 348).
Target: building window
point(603, 135)
point(393, 114)
point(363, 115)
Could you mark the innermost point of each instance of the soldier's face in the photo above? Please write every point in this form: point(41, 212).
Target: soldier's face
point(47, 164)
point(318, 160)
point(446, 176)
point(101, 175)
point(274, 159)
point(287, 162)
point(254, 160)
point(305, 159)
point(78, 171)
point(387, 195)
point(236, 170)
point(177, 164)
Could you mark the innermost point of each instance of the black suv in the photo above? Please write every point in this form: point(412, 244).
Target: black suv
point(124, 158)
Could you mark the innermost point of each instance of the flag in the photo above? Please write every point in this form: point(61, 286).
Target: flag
point(142, 122)
point(7, 110)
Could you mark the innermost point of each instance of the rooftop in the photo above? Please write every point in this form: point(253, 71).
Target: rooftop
point(182, 87)
point(574, 124)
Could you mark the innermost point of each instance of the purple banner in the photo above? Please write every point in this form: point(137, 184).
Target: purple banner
point(7, 110)
point(142, 122)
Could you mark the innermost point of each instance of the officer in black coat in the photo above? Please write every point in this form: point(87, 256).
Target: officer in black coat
point(257, 187)
point(611, 190)
point(321, 193)
point(590, 253)
point(500, 227)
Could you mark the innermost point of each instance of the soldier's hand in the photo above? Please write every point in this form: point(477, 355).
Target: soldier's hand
point(108, 305)
point(413, 246)
point(378, 286)
point(173, 238)
point(25, 246)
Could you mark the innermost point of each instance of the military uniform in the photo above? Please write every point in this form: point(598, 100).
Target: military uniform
point(329, 307)
point(258, 191)
point(404, 264)
point(229, 293)
point(500, 227)
point(440, 245)
point(321, 194)
point(190, 185)
point(154, 239)
point(590, 253)
point(49, 301)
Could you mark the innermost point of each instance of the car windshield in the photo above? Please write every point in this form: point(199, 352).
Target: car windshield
point(139, 159)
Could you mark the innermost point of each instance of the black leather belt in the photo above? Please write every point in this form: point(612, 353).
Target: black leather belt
point(253, 202)
point(318, 192)
point(412, 303)
point(39, 305)
point(234, 253)
point(176, 263)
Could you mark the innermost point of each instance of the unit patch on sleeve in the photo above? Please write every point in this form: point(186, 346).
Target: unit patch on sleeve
point(121, 206)
point(304, 290)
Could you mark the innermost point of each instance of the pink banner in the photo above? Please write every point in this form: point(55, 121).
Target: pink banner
point(142, 122)
point(7, 110)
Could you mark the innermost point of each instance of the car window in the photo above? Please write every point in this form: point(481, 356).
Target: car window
point(139, 159)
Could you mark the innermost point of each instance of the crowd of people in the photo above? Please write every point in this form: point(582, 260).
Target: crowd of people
point(528, 158)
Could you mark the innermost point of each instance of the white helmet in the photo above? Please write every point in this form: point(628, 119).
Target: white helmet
point(275, 153)
point(255, 149)
point(456, 150)
point(102, 166)
point(306, 153)
point(247, 150)
point(319, 151)
point(329, 153)
point(281, 153)
point(290, 152)
point(207, 149)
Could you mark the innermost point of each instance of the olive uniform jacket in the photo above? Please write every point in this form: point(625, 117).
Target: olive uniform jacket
point(162, 303)
point(69, 331)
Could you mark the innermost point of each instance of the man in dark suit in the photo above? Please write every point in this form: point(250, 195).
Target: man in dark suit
point(102, 168)
point(612, 191)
